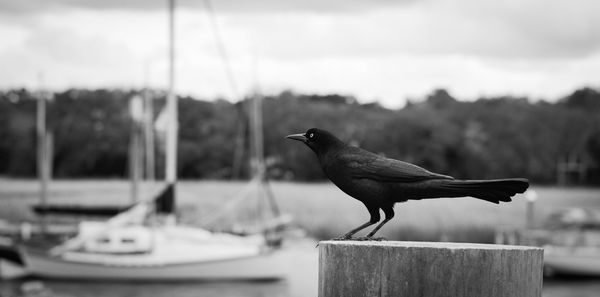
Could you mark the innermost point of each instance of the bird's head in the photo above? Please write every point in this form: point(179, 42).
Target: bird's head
point(320, 141)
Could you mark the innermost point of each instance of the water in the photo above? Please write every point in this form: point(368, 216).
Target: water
point(302, 281)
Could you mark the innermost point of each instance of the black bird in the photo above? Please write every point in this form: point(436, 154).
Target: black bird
point(380, 182)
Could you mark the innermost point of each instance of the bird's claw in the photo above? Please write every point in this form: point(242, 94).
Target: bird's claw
point(369, 238)
point(363, 238)
point(343, 238)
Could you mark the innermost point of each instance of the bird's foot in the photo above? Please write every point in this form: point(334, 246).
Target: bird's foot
point(342, 238)
point(369, 238)
point(363, 238)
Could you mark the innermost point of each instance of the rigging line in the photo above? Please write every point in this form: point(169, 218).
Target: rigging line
point(228, 207)
point(222, 49)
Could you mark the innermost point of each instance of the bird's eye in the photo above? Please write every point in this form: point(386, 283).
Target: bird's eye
point(311, 135)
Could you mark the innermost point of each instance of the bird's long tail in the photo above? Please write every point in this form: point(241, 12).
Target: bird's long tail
point(494, 190)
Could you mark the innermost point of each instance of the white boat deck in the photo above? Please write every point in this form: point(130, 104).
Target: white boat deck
point(176, 253)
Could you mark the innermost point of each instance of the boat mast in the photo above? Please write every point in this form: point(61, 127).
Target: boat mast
point(44, 145)
point(148, 134)
point(256, 130)
point(171, 146)
point(135, 145)
point(259, 166)
point(257, 135)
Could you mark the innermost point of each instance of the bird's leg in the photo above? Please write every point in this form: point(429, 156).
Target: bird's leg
point(348, 235)
point(389, 214)
point(374, 211)
point(372, 233)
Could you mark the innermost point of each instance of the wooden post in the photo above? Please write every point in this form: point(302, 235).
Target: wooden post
point(428, 269)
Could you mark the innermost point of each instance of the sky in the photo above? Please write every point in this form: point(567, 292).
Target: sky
point(379, 50)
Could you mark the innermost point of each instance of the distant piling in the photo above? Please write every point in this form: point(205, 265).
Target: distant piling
point(428, 269)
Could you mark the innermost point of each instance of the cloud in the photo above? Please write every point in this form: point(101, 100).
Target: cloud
point(544, 28)
point(532, 29)
point(67, 58)
point(373, 49)
point(236, 6)
point(424, 29)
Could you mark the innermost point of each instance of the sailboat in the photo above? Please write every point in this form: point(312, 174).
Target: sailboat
point(144, 242)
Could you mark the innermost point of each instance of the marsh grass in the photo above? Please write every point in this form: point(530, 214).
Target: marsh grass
point(320, 209)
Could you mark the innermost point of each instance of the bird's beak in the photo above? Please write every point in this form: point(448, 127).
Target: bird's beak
point(299, 137)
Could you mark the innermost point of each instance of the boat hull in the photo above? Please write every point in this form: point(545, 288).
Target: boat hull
point(11, 270)
point(571, 264)
point(258, 267)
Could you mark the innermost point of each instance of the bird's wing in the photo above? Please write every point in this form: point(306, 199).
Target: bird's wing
point(364, 164)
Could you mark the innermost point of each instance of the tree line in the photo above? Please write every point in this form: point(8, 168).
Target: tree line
point(487, 138)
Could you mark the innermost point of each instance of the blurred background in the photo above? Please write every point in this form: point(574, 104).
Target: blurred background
point(472, 89)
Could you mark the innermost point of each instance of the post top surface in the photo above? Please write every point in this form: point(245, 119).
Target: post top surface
point(424, 244)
